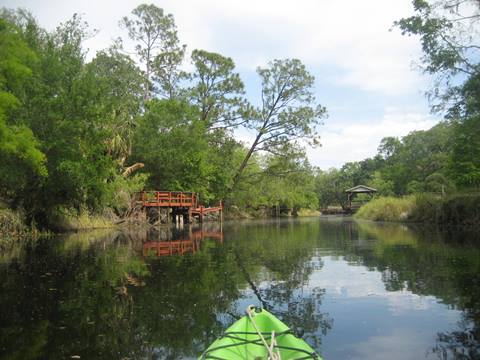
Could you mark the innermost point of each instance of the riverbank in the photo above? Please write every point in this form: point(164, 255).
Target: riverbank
point(458, 209)
point(13, 228)
point(13, 225)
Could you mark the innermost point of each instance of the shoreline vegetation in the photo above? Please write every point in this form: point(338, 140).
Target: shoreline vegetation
point(458, 209)
point(80, 134)
point(13, 225)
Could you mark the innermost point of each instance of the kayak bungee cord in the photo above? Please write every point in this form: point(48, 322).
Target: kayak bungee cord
point(271, 354)
point(261, 341)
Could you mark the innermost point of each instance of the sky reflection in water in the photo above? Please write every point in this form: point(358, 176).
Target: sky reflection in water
point(359, 290)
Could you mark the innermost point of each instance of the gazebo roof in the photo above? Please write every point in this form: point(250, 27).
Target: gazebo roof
point(361, 189)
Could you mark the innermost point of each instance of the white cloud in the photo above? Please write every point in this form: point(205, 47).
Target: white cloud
point(342, 280)
point(357, 141)
point(347, 44)
point(400, 341)
point(352, 35)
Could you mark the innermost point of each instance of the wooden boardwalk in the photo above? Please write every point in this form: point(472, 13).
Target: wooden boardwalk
point(180, 246)
point(174, 204)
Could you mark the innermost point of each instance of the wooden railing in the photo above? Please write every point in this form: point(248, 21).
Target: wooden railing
point(181, 246)
point(167, 199)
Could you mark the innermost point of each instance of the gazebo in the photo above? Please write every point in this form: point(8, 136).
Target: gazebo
point(354, 191)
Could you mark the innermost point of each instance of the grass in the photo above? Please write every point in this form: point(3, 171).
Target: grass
point(71, 220)
point(308, 212)
point(13, 229)
point(387, 209)
point(457, 209)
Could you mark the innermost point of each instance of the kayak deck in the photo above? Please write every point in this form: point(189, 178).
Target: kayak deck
point(242, 340)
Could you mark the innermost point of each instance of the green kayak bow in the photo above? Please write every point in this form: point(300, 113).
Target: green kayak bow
point(259, 335)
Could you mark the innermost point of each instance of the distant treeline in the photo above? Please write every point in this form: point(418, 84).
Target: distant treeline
point(445, 159)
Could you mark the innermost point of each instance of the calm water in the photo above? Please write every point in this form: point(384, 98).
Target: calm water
point(359, 290)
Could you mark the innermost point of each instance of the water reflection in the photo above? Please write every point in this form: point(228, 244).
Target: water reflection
point(171, 241)
point(359, 290)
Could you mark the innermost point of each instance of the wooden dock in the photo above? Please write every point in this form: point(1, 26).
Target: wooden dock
point(173, 206)
point(189, 245)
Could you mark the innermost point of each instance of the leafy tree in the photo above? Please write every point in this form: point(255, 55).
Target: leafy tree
point(157, 46)
point(383, 187)
point(172, 143)
point(22, 161)
point(331, 186)
point(218, 91)
point(447, 31)
point(289, 112)
point(464, 165)
point(115, 82)
point(410, 161)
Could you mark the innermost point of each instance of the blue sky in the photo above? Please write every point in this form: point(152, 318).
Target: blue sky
point(365, 72)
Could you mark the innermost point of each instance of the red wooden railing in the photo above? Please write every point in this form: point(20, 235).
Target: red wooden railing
point(182, 246)
point(167, 199)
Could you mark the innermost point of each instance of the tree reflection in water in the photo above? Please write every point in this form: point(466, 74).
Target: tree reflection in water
point(214, 279)
point(444, 263)
point(109, 295)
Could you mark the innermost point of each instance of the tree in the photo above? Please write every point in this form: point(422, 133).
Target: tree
point(218, 91)
point(157, 46)
point(22, 161)
point(447, 31)
point(330, 187)
point(115, 82)
point(288, 113)
point(172, 143)
point(464, 166)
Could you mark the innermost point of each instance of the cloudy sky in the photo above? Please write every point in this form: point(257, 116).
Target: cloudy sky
point(365, 72)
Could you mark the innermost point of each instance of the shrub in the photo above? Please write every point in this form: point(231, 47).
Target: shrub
point(459, 209)
point(428, 208)
point(387, 209)
point(12, 227)
point(462, 209)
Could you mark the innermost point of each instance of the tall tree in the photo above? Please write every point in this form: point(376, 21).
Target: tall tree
point(115, 82)
point(289, 112)
point(218, 91)
point(22, 160)
point(157, 46)
point(449, 33)
point(449, 36)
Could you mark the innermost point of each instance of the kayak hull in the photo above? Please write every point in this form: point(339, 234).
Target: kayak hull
point(241, 340)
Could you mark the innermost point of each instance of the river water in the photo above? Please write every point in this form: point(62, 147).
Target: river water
point(359, 290)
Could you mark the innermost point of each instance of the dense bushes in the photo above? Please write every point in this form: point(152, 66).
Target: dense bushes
point(460, 209)
point(387, 209)
point(12, 227)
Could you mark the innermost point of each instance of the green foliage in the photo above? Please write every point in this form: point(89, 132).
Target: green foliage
point(427, 209)
point(116, 84)
point(157, 46)
point(462, 209)
point(173, 144)
point(289, 111)
point(450, 53)
point(383, 187)
point(330, 187)
point(22, 161)
point(445, 29)
point(464, 165)
point(72, 131)
point(217, 91)
point(387, 209)
point(457, 209)
point(12, 228)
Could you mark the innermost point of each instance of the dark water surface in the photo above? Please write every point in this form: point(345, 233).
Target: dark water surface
point(359, 290)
